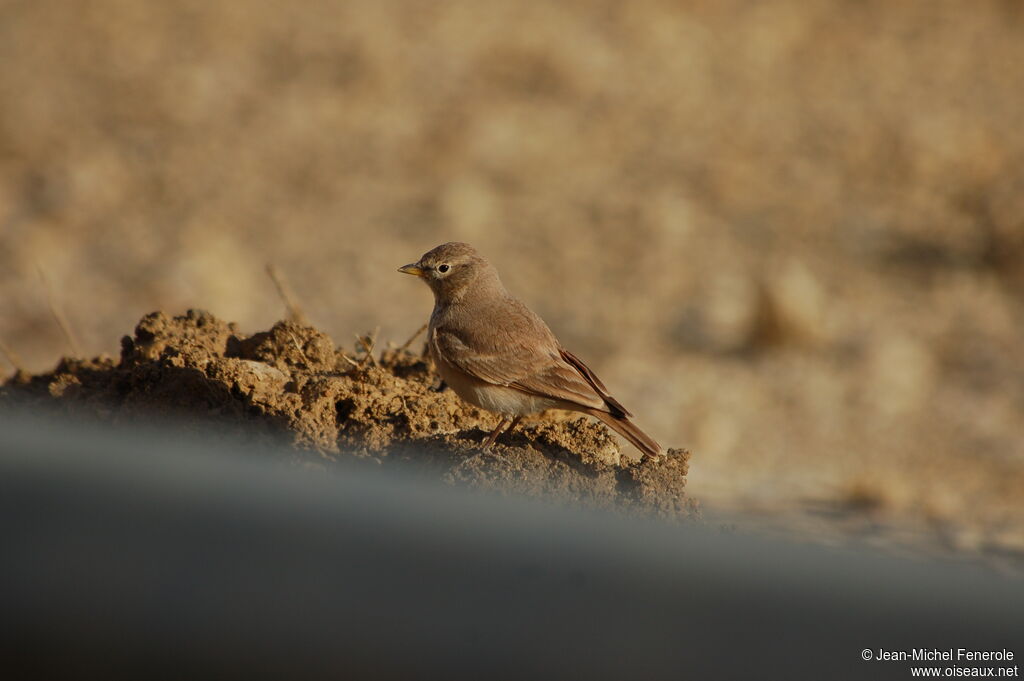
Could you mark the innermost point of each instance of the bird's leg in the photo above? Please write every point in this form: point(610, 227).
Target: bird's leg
point(515, 422)
point(503, 427)
point(495, 433)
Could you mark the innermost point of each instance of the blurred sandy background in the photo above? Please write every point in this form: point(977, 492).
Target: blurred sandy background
point(790, 235)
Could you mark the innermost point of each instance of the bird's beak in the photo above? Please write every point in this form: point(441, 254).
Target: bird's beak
point(412, 269)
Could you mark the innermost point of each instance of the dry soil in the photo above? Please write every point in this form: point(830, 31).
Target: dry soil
point(335, 405)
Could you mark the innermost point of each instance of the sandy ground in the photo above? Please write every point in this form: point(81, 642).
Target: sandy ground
point(788, 236)
point(290, 384)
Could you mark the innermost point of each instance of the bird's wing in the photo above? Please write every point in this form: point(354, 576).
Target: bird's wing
point(595, 382)
point(517, 350)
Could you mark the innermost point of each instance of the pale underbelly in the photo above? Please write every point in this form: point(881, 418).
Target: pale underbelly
point(492, 397)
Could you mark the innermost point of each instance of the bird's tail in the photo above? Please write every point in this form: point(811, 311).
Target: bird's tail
point(629, 430)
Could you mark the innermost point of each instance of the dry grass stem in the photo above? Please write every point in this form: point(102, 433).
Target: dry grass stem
point(293, 312)
point(368, 343)
point(12, 357)
point(58, 315)
point(412, 338)
point(298, 347)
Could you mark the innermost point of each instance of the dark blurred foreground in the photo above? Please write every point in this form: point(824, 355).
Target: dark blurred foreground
point(144, 554)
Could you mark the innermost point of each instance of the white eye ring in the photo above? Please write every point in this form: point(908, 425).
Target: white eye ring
point(443, 268)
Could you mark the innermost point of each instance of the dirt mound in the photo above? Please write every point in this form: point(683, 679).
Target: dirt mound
point(292, 381)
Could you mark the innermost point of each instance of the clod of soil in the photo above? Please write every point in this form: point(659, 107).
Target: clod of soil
point(293, 381)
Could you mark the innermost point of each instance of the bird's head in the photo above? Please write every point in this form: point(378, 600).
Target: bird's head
point(451, 269)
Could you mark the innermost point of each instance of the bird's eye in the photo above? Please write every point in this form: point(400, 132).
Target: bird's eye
point(443, 268)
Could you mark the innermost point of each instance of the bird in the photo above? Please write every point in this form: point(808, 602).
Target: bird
point(497, 354)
